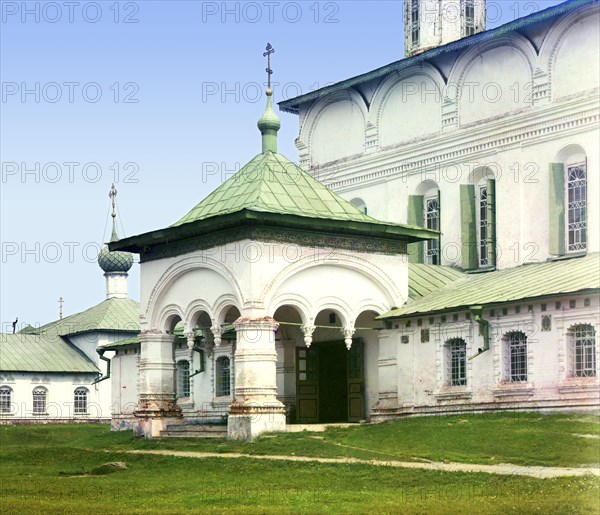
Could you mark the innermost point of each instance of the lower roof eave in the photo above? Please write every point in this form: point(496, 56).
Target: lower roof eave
point(396, 314)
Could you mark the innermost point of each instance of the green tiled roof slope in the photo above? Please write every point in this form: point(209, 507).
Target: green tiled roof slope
point(424, 279)
point(110, 315)
point(513, 284)
point(41, 353)
point(271, 183)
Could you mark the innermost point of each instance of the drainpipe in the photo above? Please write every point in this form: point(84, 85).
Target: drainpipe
point(484, 329)
point(107, 375)
point(201, 369)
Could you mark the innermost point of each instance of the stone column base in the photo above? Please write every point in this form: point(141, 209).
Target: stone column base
point(150, 424)
point(246, 422)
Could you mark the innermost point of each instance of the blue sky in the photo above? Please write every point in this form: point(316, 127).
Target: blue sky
point(160, 97)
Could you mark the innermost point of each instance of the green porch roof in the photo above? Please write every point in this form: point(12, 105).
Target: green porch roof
point(271, 183)
point(41, 353)
point(575, 275)
point(272, 191)
point(114, 315)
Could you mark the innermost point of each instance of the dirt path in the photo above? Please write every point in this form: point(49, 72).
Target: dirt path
point(502, 468)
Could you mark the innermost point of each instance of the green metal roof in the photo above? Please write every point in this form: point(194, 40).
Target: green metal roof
point(292, 104)
point(127, 342)
point(117, 315)
point(41, 353)
point(510, 285)
point(272, 191)
point(425, 279)
point(271, 183)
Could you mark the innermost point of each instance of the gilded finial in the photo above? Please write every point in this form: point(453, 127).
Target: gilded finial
point(269, 50)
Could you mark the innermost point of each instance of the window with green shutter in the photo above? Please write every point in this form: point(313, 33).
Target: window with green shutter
point(468, 231)
point(415, 217)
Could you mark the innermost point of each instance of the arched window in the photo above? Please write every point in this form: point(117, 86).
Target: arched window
point(515, 344)
point(40, 396)
point(469, 7)
point(414, 25)
point(223, 377)
point(5, 399)
point(183, 378)
point(424, 211)
point(359, 204)
point(80, 401)
point(582, 341)
point(568, 202)
point(456, 362)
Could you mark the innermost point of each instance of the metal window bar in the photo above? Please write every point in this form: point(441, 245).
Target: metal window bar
point(39, 402)
point(183, 376)
point(585, 351)
point(432, 221)
point(5, 400)
point(80, 401)
point(458, 362)
point(577, 207)
point(223, 377)
point(484, 232)
point(518, 356)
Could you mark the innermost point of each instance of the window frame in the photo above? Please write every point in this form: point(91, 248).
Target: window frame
point(223, 376)
point(80, 400)
point(517, 348)
point(580, 234)
point(587, 343)
point(40, 407)
point(6, 393)
point(456, 355)
point(415, 28)
point(483, 226)
point(183, 379)
point(431, 249)
point(469, 16)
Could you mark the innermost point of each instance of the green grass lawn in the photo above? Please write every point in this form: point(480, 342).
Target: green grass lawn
point(45, 469)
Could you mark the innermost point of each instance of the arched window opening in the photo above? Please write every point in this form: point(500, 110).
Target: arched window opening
point(516, 356)
point(223, 377)
point(583, 347)
point(432, 221)
point(359, 204)
point(40, 395)
point(576, 207)
point(183, 378)
point(80, 401)
point(456, 359)
point(5, 399)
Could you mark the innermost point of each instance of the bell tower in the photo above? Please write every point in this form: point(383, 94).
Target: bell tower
point(432, 23)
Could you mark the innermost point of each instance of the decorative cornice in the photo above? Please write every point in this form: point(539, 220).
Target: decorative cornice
point(485, 137)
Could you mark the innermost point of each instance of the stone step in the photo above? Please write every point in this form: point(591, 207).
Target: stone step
point(193, 434)
point(195, 431)
point(196, 428)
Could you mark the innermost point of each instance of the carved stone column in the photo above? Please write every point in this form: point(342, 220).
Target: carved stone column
point(255, 408)
point(308, 331)
point(156, 406)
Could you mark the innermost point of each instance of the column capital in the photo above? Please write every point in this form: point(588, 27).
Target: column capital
point(263, 323)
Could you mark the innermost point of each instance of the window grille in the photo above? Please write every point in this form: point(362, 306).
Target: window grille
point(484, 229)
point(432, 221)
point(469, 17)
point(584, 341)
point(39, 401)
point(457, 349)
point(183, 378)
point(517, 344)
point(80, 401)
point(577, 207)
point(5, 399)
point(223, 376)
point(415, 23)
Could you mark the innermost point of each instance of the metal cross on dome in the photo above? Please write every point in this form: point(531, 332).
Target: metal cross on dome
point(113, 195)
point(269, 50)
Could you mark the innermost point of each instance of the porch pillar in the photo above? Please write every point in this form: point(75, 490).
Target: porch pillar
point(156, 403)
point(255, 408)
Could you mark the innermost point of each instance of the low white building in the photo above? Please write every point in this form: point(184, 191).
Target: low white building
point(57, 372)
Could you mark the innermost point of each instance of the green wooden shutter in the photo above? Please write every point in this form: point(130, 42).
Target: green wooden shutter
point(557, 209)
point(468, 226)
point(491, 216)
point(415, 217)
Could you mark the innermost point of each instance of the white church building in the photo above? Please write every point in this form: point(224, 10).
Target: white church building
point(436, 250)
point(447, 262)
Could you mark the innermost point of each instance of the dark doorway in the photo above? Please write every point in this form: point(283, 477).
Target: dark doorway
point(330, 382)
point(333, 389)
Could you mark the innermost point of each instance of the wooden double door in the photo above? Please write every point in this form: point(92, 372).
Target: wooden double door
point(330, 382)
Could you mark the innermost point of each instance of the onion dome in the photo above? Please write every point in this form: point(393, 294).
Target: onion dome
point(115, 261)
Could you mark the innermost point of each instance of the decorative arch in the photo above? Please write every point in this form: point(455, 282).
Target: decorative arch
point(515, 42)
point(176, 270)
point(298, 302)
point(166, 317)
point(387, 86)
point(317, 110)
point(557, 34)
point(369, 270)
point(194, 311)
point(222, 305)
point(338, 306)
